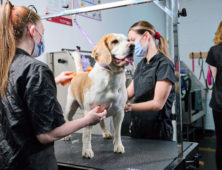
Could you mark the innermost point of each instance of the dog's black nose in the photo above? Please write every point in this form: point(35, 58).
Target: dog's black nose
point(131, 47)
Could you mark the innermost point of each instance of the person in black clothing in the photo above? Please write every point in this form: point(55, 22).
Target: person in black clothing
point(214, 59)
point(152, 86)
point(30, 115)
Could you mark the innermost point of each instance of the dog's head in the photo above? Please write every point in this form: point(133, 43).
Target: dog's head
point(114, 48)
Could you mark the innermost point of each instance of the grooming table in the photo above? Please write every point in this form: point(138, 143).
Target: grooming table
point(140, 154)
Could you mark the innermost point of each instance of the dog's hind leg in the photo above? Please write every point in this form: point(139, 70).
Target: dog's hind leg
point(71, 106)
point(70, 109)
point(87, 151)
point(106, 133)
point(117, 122)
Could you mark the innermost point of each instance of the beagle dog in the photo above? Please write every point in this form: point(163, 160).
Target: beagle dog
point(104, 85)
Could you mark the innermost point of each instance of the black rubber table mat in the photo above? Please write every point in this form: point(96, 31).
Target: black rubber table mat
point(140, 154)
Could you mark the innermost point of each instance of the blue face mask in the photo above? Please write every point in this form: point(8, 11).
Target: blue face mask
point(139, 50)
point(39, 48)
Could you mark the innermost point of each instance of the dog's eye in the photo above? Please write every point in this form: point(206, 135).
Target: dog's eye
point(115, 41)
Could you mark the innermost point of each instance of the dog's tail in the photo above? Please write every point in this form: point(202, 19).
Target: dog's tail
point(78, 62)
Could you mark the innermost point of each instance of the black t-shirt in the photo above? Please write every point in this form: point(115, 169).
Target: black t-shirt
point(214, 58)
point(152, 124)
point(29, 108)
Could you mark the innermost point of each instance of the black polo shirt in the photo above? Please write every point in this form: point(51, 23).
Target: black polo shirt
point(214, 58)
point(29, 108)
point(153, 124)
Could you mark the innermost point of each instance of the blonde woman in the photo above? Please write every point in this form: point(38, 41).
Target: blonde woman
point(214, 59)
point(30, 115)
point(152, 86)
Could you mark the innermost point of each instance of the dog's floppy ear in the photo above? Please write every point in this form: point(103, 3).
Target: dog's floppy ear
point(101, 52)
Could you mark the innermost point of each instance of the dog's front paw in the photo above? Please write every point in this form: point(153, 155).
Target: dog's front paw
point(87, 153)
point(67, 138)
point(119, 149)
point(107, 135)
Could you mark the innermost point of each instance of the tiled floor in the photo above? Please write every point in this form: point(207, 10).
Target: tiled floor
point(207, 150)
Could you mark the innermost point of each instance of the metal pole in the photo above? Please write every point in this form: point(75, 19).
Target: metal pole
point(178, 110)
point(164, 7)
point(169, 30)
point(98, 7)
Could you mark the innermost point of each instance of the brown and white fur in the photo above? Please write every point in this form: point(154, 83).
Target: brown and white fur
point(104, 85)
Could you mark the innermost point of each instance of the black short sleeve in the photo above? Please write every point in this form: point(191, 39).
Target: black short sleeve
point(40, 95)
point(166, 71)
point(138, 67)
point(211, 58)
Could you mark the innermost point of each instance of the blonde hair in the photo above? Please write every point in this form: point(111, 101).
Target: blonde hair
point(218, 35)
point(13, 26)
point(141, 27)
